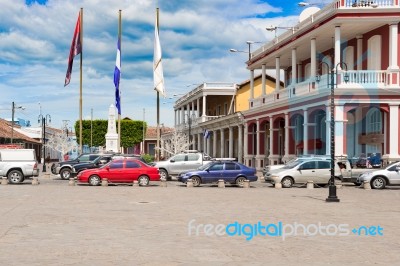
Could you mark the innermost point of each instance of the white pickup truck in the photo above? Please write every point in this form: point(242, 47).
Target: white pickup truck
point(18, 164)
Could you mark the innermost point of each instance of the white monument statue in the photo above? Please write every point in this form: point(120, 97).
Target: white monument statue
point(111, 136)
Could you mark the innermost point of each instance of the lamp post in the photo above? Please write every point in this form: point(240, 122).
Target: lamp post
point(190, 123)
point(249, 43)
point(44, 119)
point(332, 72)
point(274, 28)
point(13, 107)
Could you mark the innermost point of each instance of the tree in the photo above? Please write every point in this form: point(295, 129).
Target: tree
point(178, 143)
point(60, 142)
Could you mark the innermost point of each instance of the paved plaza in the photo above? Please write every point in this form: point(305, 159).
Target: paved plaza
point(54, 223)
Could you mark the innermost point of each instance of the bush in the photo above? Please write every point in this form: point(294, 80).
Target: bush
point(148, 158)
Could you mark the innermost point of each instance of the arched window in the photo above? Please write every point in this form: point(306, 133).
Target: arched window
point(374, 52)
point(374, 121)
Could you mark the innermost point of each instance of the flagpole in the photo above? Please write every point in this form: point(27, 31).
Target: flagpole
point(80, 88)
point(119, 115)
point(158, 104)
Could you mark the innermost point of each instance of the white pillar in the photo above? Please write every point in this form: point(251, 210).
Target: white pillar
point(359, 51)
point(222, 148)
point(294, 67)
point(264, 89)
point(182, 115)
point(214, 152)
point(313, 69)
point(230, 142)
point(271, 136)
point(278, 73)
point(393, 45)
point(258, 137)
point(394, 130)
point(339, 130)
point(251, 84)
point(328, 130)
point(358, 130)
point(204, 113)
point(240, 143)
point(246, 142)
point(198, 107)
point(286, 135)
point(305, 132)
point(337, 48)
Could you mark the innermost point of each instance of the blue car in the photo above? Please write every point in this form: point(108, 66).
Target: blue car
point(230, 171)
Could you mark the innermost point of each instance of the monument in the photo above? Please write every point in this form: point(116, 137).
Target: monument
point(111, 136)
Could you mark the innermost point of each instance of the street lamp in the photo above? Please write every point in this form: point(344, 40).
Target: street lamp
point(190, 120)
point(274, 28)
point(13, 107)
point(249, 43)
point(332, 72)
point(44, 119)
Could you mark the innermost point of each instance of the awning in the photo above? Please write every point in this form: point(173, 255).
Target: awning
point(317, 143)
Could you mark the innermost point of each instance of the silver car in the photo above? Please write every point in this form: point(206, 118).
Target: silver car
point(381, 178)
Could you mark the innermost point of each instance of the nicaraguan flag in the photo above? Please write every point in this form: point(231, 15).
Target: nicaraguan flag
point(117, 76)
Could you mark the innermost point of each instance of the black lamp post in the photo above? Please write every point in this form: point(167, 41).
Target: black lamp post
point(332, 72)
point(44, 119)
point(190, 122)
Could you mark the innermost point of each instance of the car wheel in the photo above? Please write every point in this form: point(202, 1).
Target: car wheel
point(240, 181)
point(94, 180)
point(378, 183)
point(15, 177)
point(163, 174)
point(287, 182)
point(196, 181)
point(65, 173)
point(143, 180)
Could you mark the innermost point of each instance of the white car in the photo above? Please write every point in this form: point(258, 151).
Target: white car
point(381, 178)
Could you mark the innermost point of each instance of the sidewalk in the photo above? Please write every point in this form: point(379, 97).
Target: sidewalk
point(54, 223)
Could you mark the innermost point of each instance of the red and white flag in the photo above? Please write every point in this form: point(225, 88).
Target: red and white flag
point(76, 48)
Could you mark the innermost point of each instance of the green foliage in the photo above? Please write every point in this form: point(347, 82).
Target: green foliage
point(132, 132)
point(148, 158)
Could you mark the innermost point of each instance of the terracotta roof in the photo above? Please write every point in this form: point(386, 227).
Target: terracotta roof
point(151, 132)
point(5, 132)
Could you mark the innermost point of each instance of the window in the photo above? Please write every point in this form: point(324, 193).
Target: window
point(324, 165)
point(217, 167)
point(116, 165)
point(179, 157)
point(193, 157)
point(308, 166)
point(132, 164)
point(374, 122)
point(231, 166)
point(84, 158)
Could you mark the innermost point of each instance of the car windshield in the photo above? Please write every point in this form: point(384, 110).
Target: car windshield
point(292, 164)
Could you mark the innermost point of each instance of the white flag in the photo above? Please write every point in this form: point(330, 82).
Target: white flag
point(157, 64)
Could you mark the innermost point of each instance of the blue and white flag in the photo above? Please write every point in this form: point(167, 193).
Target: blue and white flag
point(117, 76)
point(206, 134)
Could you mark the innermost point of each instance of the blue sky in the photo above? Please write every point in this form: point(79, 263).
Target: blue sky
point(195, 36)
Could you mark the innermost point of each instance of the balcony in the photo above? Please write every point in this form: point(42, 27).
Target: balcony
point(365, 81)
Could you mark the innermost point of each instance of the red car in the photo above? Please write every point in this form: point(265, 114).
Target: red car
point(121, 171)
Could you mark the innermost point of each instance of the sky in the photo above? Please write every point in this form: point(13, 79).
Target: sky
point(195, 37)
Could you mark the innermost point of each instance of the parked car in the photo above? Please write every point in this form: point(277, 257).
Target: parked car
point(230, 171)
point(65, 168)
point(182, 162)
point(379, 179)
point(121, 171)
point(18, 164)
point(300, 171)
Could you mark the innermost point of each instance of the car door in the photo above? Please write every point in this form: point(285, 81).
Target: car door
point(305, 172)
point(176, 164)
point(132, 171)
point(115, 171)
point(215, 171)
point(394, 174)
point(231, 171)
point(322, 172)
point(192, 161)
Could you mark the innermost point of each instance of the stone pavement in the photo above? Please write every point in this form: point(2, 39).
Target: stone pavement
point(54, 223)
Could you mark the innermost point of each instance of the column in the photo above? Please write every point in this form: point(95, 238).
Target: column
point(204, 113)
point(294, 67)
point(175, 118)
point(358, 130)
point(313, 69)
point(182, 115)
point(240, 143)
point(246, 143)
point(271, 140)
point(337, 49)
point(230, 142)
point(222, 148)
point(299, 72)
point(199, 141)
point(328, 130)
point(393, 45)
point(251, 84)
point(287, 135)
point(263, 83)
point(278, 73)
point(214, 152)
point(198, 108)
point(305, 132)
point(359, 51)
point(394, 130)
point(339, 130)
